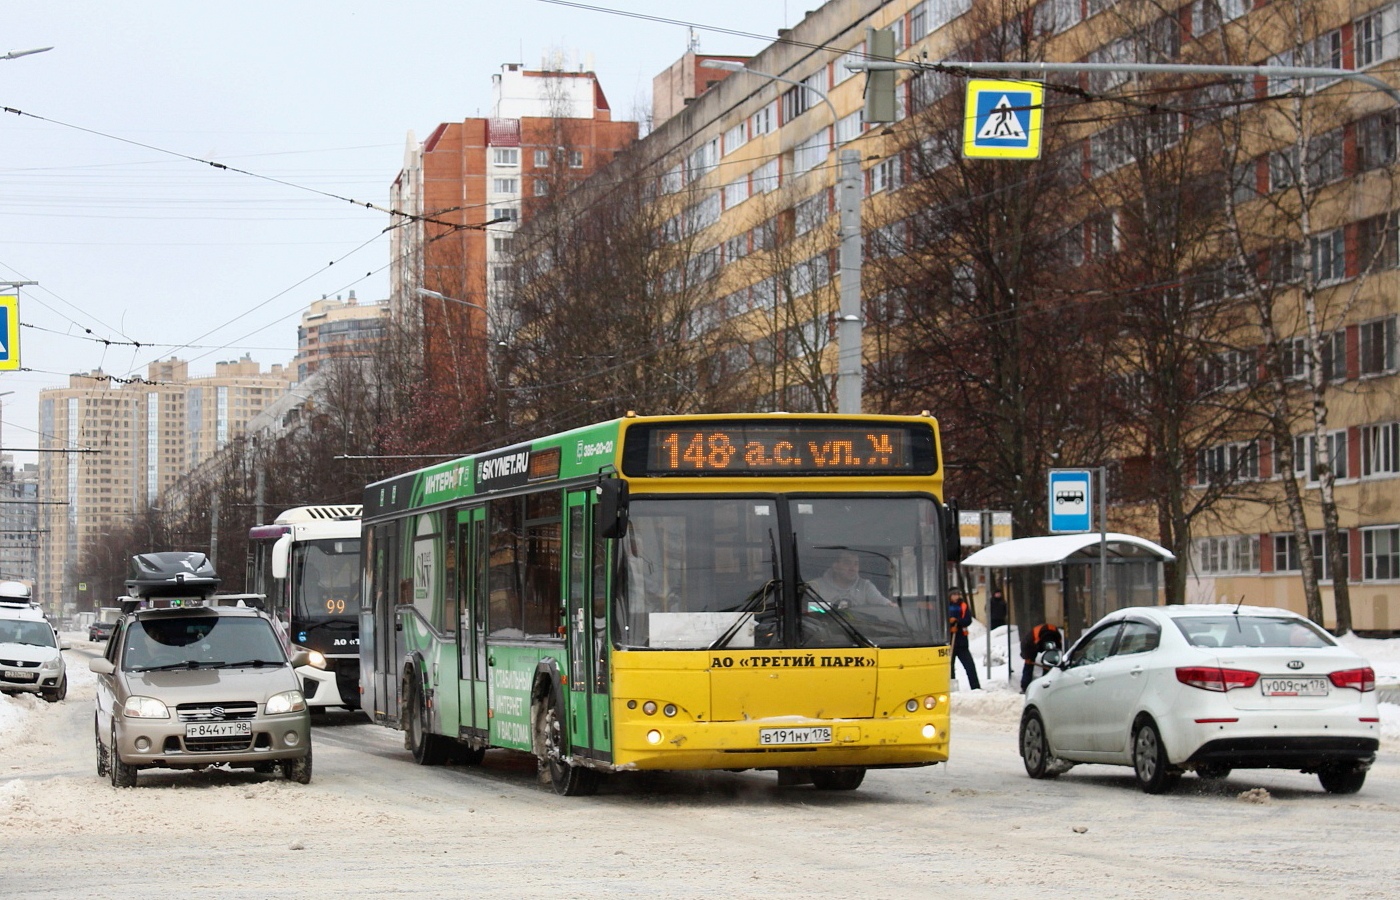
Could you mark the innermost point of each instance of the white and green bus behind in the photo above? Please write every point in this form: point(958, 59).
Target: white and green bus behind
point(656, 593)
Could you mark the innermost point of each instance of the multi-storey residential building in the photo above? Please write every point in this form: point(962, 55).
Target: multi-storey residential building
point(111, 448)
point(746, 172)
point(19, 521)
point(335, 329)
point(547, 129)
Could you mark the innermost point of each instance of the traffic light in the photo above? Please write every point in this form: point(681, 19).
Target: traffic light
point(879, 83)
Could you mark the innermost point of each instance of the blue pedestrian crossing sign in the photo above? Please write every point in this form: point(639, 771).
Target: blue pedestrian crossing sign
point(9, 332)
point(1002, 119)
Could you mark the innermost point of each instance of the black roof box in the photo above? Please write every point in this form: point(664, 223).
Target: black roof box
point(172, 573)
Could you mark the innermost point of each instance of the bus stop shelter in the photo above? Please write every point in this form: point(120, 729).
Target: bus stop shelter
point(1133, 576)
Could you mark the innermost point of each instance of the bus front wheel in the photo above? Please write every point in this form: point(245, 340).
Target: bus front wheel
point(567, 779)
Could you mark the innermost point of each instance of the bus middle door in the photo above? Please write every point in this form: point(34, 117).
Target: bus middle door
point(472, 591)
point(589, 729)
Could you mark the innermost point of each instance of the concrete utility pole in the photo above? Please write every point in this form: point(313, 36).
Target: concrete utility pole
point(848, 197)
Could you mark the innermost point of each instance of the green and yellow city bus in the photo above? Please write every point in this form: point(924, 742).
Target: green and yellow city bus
point(761, 591)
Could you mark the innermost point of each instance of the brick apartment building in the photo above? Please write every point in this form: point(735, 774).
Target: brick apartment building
point(547, 130)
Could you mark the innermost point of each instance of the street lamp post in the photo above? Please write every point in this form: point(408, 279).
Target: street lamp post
point(849, 256)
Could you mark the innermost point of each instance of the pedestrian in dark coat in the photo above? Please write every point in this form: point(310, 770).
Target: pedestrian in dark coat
point(959, 618)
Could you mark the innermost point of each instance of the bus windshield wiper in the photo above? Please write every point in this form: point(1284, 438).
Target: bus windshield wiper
point(746, 612)
point(839, 617)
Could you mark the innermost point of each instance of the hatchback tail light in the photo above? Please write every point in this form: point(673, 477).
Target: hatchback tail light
point(1361, 679)
point(1214, 678)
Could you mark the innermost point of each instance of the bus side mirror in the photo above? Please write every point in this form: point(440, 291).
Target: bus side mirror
point(952, 534)
point(610, 513)
point(280, 551)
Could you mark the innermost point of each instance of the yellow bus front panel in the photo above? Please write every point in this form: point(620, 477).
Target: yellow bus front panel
point(781, 708)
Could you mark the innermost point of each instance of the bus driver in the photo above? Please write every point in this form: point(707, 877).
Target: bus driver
point(842, 585)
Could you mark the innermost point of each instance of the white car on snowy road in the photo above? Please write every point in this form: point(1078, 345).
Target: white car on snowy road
point(1205, 688)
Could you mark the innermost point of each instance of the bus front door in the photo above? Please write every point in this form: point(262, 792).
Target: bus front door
point(589, 728)
point(472, 591)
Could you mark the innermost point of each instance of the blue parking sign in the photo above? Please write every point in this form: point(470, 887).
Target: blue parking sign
point(1070, 501)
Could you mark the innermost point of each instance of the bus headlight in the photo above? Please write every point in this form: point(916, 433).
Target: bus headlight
point(930, 732)
point(649, 707)
point(653, 737)
point(316, 659)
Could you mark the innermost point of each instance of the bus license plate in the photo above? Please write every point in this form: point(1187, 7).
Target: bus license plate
point(1295, 687)
point(19, 675)
point(219, 729)
point(769, 736)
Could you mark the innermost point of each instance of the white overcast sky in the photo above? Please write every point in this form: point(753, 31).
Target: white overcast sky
point(129, 243)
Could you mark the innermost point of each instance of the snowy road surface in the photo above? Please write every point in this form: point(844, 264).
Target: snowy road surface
point(372, 824)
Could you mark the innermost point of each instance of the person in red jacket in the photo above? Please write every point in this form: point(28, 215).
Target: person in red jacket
point(1039, 639)
point(959, 617)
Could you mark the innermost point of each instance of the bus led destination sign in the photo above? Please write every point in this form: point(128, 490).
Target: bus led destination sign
point(801, 448)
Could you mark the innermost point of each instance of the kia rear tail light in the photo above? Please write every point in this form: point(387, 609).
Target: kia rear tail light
point(1214, 678)
point(1360, 679)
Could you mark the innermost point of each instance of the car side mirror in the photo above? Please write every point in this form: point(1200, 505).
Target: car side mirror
point(1051, 658)
point(301, 658)
point(64, 645)
point(101, 666)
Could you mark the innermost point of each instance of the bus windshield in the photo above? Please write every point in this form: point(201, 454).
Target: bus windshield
point(326, 578)
point(781, 572)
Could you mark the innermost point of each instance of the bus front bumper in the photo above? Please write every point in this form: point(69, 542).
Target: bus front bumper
point(656, 742)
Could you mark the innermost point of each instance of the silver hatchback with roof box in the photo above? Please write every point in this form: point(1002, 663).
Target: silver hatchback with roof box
point(189, 686)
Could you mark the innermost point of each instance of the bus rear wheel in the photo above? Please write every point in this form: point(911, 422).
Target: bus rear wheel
point(847, 778)
point(428, 749)
point(567, 779)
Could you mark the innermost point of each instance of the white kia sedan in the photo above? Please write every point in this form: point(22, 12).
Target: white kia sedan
point(1168, 689)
